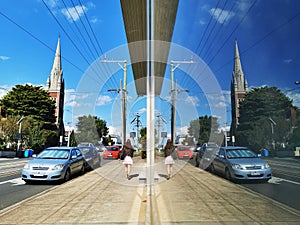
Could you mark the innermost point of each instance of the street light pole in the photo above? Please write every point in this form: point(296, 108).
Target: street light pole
point(123, 93)
point(173, 94)
point(20, 132)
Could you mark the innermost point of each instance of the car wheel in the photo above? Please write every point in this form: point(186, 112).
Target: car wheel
point(99, 162)
point(67, 175)
point(82, 171)
point(28, 181)
point(212, 168)
point(197, 162)
point(227, 174)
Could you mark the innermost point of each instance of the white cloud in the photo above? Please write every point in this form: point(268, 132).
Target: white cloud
point(4, 90)
point(193, 100)
point(2, 57)
point(94, 20)
point(103, 100)
point(222, 16)
point(202, 22)
point(51, 3)
point(74, 13)
point(142, 110)
point(182, 130)
point(73, 104)
point(295, 96)
point(287, 61)
point(114, 130)
point(243, 5)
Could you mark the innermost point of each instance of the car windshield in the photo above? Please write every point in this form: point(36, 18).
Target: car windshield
point(211, 149)
point(240, 153)
point(54, 154)
point(85, 150)
point(183, 148)
point(112, 148)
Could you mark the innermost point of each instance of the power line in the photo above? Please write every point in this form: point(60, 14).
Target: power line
point(37, 39)
point(211, 17)
point(85, 28)
point(214, 25)
point(263, 38)
point(91, 28)
point(75, 24)
point(60, 25)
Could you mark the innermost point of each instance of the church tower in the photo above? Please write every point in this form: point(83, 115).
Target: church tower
point(239, 87)
point(56, 87)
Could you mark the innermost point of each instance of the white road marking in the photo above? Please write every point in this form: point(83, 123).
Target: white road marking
point(15, 181)
point(277, 180)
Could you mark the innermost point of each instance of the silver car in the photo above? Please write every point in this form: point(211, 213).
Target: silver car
point(55, 163)
point(240, 163)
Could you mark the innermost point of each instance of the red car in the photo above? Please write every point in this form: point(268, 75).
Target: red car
point(185, 152)
point(111, 152)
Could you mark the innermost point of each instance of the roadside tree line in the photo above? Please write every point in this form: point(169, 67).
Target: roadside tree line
point(38, 128)
point(268, 120)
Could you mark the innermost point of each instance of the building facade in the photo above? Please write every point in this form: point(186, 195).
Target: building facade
point(56, 88)
point(239, 88)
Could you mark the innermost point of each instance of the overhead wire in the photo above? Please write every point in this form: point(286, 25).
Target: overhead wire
point(80, 33)
point(263, 38)
point(95, 38)
point(88, 21)
point(211, 17)
point(207, 53)
point(214, 25)
point(71, 28)
point(226, 40)
point(39, 40)
point(106, 67)
point(211, 30)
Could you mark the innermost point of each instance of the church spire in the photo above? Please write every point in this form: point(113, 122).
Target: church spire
point(238, 74)
point(239, 88)
point(57, 59)
point(55, 77)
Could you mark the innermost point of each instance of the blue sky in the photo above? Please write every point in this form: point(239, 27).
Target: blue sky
point(267, 33)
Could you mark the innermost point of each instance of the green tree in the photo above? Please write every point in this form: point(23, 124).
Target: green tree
point(90, 129)
point(27, 100)
point(106, 141)
point(38, 108)
point(202, 128)
point(259, 108)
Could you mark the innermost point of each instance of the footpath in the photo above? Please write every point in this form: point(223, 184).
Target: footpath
point(191, 196)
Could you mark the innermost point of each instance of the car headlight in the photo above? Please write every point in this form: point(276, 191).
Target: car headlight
point(58, 167)
point(26, 166)
point(236, 166)
point(266, 166)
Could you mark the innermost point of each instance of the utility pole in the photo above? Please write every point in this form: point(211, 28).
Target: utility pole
point(123, 93)
point(173, 94)
point(138, 123)
point(19, 136)
point(159, 125)
point(272, 130)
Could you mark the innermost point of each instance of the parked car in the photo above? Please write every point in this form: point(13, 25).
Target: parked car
point(240, 163)
point(184, 152)
point(54, 163)
point(91, 156)
point(205, 155)
point(86, 144)
point(111, 152)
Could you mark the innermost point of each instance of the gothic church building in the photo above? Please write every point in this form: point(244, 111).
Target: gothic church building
point(56, 88)
point(239, 88)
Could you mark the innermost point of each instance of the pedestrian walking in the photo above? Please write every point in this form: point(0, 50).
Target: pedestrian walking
point(128, 162)
point(169, 161)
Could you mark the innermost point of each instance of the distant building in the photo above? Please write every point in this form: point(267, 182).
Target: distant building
point(56, 87)
point(239, 88)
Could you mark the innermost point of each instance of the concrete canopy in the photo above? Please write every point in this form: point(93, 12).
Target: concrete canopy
point(135, 22)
